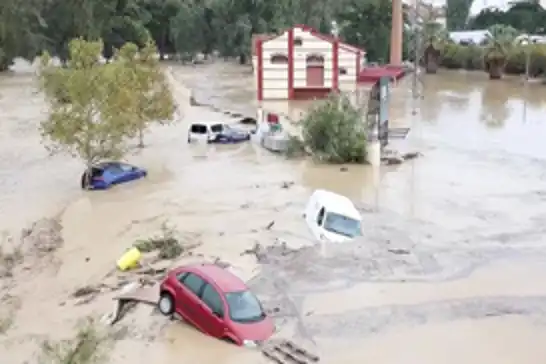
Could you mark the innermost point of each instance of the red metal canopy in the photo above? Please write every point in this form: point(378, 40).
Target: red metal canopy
point(373, 74)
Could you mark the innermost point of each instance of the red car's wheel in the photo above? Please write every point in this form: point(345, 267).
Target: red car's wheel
point(166, 304)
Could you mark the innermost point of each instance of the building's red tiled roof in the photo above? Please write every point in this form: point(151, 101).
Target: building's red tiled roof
point(328, 38)
point(313, 31)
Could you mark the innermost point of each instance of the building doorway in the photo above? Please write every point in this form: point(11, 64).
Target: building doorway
point(314, 70)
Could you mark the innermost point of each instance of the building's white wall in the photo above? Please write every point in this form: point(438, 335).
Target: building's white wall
point(311, 45)
point(275, 94)
point(347, 86)
point(347, 60)
point(275, 76)
point(276, 44)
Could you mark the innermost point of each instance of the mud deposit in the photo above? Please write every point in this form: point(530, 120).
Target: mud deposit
point(449, 269)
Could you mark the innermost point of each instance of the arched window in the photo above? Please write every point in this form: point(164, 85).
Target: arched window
point(298, 41)
point(315, 59)
point(342, 71)
point(279, 59)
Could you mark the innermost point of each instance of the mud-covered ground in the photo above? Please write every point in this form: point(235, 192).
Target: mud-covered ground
point(448, 270)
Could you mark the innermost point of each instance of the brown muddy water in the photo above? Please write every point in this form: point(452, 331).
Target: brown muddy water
point(449, 270)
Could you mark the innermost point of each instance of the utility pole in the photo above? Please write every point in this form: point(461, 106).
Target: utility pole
point(416, 52)
point(527, 44)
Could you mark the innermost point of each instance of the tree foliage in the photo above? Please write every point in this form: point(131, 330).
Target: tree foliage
point(189, 27)
point(21, 30)
point(527, 17)
point(354, 20)
point(457, 14)
point(88, 102)
point(334, 131)
point(151, 97)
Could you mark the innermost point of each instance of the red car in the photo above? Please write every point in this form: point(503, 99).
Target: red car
point(216, 302)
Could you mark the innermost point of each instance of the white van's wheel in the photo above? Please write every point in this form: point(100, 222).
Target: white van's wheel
point(166, 304)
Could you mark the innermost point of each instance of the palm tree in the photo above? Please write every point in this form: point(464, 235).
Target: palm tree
point(499, 40)
point(435, 37)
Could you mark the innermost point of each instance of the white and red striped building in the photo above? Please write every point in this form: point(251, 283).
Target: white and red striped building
point(301, 63)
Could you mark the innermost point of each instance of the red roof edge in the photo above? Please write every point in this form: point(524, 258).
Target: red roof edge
point(373, 74)
point(262, 37)
point(328, 38)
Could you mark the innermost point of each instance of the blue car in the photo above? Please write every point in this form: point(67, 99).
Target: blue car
point(217, 133)
point(106, 174)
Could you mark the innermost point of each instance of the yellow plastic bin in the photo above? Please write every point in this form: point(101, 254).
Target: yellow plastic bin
point(129, 259)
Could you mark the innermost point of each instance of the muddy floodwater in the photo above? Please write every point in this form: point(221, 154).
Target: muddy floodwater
point(450, 268)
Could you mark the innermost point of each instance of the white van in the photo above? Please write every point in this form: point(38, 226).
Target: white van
point(204, 131)
point(213, 132)
point(332, 217)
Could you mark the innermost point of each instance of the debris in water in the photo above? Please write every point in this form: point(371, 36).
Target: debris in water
point(166, 244)
point(250, 121)
point(221, 263)
point(129, 260)
point(130, 296)
point(399, 251)
point(287, 184)
point(391, 157)
point(10, 305)
point(287, 352)
point(37, 241)
point(411, 155)
point(44, 236)
point(85, 291)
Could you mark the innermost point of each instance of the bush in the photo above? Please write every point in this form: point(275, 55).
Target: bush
point(333, 131)
point(167, 245)
point(471, 57)
point(89, 346)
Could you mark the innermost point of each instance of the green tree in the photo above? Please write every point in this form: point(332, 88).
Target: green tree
point(367, 24)
point(457, 14)
point(21, 30)
point(126, 22)
point(88, 102)
point(69, 19)
point(161, 12)
point(526, 16)
point(188, 30)
point(151, 97)
point(499, 43)
point(333, 132)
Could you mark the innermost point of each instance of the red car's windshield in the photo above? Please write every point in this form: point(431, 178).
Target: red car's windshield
point(244, 307)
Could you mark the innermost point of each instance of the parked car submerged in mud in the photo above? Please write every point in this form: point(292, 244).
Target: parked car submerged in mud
point(332, 217)
point(216, 302)
point(221, 133)
point(105, 175)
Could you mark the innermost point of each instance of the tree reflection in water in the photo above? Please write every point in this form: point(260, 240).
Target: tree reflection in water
point(495, 111)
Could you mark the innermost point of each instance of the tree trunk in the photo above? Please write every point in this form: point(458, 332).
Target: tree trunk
point(495, 72)
point(141, 137)
point(431, 67)
point(88, 178)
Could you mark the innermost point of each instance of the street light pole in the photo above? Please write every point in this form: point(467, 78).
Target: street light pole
point(527, 61)
point(417, 44)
